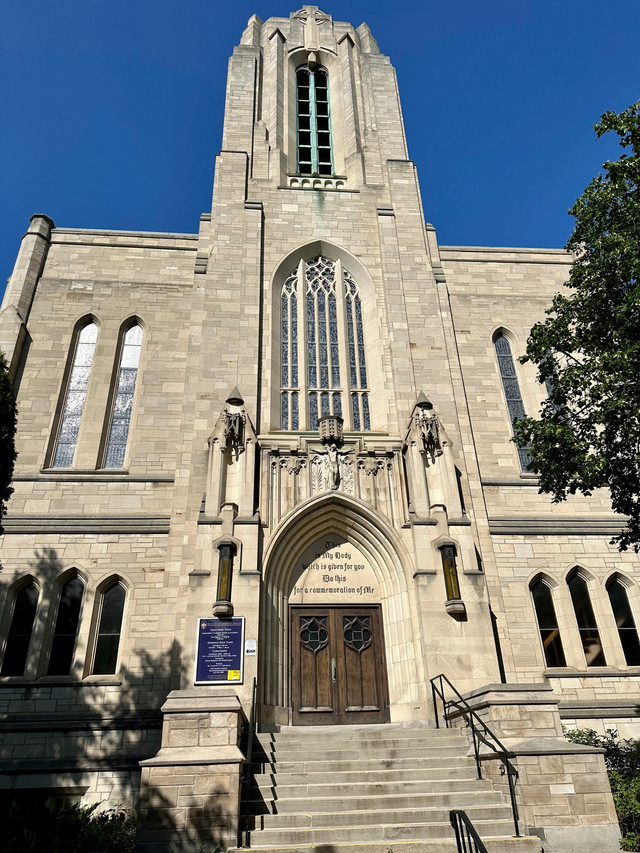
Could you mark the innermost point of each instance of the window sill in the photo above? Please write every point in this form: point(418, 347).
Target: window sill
point(317, 182)
point(61, 681)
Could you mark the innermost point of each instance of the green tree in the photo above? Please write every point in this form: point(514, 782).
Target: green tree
point(587, 351)
point(7, 436)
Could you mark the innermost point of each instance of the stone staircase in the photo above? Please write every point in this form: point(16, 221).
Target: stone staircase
point(372, 789)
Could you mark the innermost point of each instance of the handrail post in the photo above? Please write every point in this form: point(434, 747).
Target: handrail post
point(435, 703)
point(246, 776)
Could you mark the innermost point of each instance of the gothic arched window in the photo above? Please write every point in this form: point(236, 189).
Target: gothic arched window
point(586, 620)
point(111, 607)
point(322, 298)
point(66, 630)
point(511, 389)
point(75, 396)
point(123, 400)
point(313, 122)
point(19, 636)
point(547, 624)
point(625, 622)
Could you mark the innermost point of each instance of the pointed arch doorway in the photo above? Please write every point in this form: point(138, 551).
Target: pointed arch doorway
point(338, 670)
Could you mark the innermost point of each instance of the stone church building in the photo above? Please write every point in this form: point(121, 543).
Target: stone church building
point(281, 449)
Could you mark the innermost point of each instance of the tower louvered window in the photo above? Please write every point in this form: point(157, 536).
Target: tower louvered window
point(328, 375)
point(313, 122)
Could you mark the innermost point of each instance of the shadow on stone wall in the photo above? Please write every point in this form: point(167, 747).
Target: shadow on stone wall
point(62, 739)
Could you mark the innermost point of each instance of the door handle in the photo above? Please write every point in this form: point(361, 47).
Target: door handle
point(333, 670)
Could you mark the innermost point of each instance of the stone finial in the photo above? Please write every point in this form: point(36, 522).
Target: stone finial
point(235, 397)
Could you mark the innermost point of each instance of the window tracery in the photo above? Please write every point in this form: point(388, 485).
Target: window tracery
point(511, 388)
point(123, 401)
point(322, 298)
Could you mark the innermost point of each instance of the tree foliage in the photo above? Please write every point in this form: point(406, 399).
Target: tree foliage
point(587, 351)
point(7, 436)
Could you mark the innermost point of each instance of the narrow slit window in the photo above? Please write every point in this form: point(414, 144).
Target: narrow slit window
point(123, 402)
point(109, 630)
point(548, 625)
point(585, 617)
point(20, 630)
point(75, 396)
point(511, 390)
point(625, 622)
point(66, 630)
point(313, 118)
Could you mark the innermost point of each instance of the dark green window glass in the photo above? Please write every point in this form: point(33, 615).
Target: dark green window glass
point(19, 637)
point(548, 625)
point(625, 622)
point(313, 122)
point(66, 630)
point(108, 640)
point(586, 620)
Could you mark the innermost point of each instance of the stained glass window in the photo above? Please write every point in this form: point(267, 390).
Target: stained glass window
point(313, 122)
point(19, 636)
point(547, 624)
point(123, 403)
point(66, 630)
point(323, 298)
point(109, 628)
point(76, 394)
point(585, 617)
point(511, 390)
point(625, 622)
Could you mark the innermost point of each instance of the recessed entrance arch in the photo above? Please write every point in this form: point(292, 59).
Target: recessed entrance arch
point(387, 570)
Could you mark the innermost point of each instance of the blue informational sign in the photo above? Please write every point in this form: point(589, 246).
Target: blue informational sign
point(219, 651)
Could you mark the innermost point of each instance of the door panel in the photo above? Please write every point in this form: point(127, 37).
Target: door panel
point(338, 672)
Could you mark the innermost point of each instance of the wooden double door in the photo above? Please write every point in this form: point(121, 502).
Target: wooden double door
point(338, 671)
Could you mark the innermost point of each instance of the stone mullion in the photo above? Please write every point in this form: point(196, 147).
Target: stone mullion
point(342, 342)
point(303, 361)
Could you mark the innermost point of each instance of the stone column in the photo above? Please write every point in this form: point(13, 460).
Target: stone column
point(190, 790)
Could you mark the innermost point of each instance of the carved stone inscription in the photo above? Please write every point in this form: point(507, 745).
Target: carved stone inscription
point(333, 571)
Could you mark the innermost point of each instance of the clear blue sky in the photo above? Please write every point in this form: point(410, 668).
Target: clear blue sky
point(112, 111)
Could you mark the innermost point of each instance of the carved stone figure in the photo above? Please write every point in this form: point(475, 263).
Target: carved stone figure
point(429, 426)
point(234, 429)
point(333, 467)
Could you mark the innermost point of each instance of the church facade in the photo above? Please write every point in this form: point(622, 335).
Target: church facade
point(295, 427)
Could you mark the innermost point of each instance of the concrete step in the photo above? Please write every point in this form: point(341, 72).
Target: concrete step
point(433, 775)
point(350, 790)
point(381, 812)
point(375, 832)
point(494, 845)
point(354, 751)
point(375, 803)
point(366, 763)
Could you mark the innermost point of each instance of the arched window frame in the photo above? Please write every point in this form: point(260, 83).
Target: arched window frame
point(115, 447)
point(104, 588)
point(502, 345)
point(53, 633)
point(550, 635)
point(316, 380)
point(578, 583)
point(7, 625)
point(76, 381)
point(314, 148)
point(626, 624)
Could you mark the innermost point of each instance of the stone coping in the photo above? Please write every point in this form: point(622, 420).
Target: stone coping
point(171, 756)
point(208, 699)
point(546, 746)
point(595, 672)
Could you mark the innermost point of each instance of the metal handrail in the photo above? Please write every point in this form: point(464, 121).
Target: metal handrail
point(467, 839)
point(245, 780)
point(480, 732)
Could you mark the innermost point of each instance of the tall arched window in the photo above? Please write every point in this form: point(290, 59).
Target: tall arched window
point(66, 630)
point(547, 624)
point(624, 621)
point(75, 396)
point(111, 604)
point(123, 401)
point(322, 298)
point(585, 617)
point(313, 122)
point(511, 389)
point(20, 630)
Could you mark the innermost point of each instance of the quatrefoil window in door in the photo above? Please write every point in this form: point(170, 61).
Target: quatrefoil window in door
point(357, 632)
point(313, 633)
